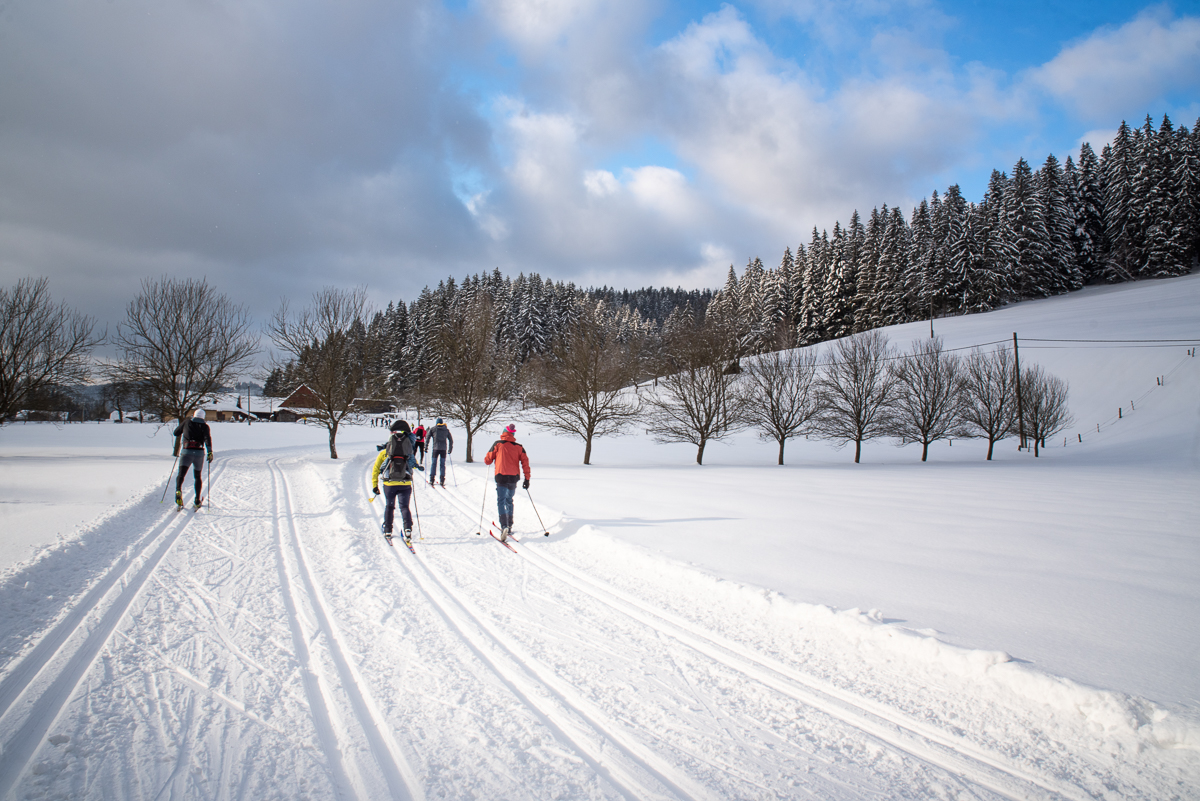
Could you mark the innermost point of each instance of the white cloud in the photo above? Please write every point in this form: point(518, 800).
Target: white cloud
point(544, 147)
point(786, 151)
point(716, 255)
point(601, 183)
point(1097, 139)
point(536, 24)
point(1116, 68)
point(664, 190)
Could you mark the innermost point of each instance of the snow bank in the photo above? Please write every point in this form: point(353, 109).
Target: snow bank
point(855, 647)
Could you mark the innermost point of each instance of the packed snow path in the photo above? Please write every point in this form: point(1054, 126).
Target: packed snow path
point(274, 646)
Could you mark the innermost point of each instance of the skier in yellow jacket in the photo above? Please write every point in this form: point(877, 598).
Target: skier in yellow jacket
point(395, 464)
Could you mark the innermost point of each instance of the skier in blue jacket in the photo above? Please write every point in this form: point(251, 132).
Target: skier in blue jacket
point(441, 442)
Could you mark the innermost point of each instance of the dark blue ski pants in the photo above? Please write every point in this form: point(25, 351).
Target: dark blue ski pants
point(433, 465)
point(504, 503)
point(392, 493)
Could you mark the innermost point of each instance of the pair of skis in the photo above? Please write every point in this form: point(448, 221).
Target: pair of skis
point(407, 542)
point(195, 507)
point(502, 542)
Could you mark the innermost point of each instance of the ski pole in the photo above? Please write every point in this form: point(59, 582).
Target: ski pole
point(545, 531)
point(453, 475)
point(417, 511)
point(164, 497)
point(481, 505)
point(208, 495)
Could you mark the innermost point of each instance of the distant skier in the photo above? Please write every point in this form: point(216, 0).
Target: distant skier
point(441, 442)
point(510, 458)
point(196, 440)
point(419, 434)
point(395, 463)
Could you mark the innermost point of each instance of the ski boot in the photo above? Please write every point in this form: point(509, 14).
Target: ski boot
point(408, 536)
point(179, 497)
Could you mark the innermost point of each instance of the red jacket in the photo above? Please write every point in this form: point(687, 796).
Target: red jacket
point(509, 456)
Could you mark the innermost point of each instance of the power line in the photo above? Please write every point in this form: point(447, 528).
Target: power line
point(1033, 339)
point(1100, 347)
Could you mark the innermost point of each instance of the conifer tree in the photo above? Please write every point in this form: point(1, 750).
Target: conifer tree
point(1090, 239)
point(889, 287)
point(842, 286)
point(865, 311)
point(920, 287)
point(1062, 274)
point(1166, 238)
point(1185, 206)
point(1118, 166)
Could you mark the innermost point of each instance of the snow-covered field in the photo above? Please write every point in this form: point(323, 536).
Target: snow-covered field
point(956, 629)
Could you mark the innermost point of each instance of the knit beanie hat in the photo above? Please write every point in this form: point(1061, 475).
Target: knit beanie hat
point(510, 429)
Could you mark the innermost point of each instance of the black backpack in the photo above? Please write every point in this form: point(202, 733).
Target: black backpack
point(395, 467)
point(194, 432)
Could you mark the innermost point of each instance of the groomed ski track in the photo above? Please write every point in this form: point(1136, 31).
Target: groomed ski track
point(274, 646)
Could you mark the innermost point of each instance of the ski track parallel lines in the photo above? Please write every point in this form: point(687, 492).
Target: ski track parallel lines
point(526, 670)
point(401, 779)
point(522, 679)
point(45, 710)
point(23, 674)
point(973, 763)
point(920, 741)
point(318, 704)
point(571, 733)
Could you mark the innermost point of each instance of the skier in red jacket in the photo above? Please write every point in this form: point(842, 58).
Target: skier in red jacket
point(510, 458)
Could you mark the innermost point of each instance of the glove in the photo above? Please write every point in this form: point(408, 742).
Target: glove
point(375, 490)
point(421, 467)
point(210, 456)
point(525, 485)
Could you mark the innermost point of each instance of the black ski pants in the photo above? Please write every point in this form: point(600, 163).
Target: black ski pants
point(193, 457)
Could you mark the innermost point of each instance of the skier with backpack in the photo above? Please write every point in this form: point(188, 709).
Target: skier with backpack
point(395, 464)
point(196, 439)
point(441, 442)
point(510, 458)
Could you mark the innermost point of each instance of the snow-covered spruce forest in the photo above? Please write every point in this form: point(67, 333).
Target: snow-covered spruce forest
point(1131, 213)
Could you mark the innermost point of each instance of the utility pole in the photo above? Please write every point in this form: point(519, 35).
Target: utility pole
point(1020, 409)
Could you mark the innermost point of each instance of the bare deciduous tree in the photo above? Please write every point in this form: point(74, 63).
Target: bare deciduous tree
point(123, 397)
point(582, 387)
point(695, 400)
point(43, 345)
point(1044, 398)
point(474, 376)
point(182, 341)
point(329, 345)
point(779, 394)
point(929, 395)
point(856, 391)
point(990, 395)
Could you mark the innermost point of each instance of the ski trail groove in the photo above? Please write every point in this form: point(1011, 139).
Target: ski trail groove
point(19, 678)
point(21, 744)
point(401, 780)
point(923, 742)
point(578, 724)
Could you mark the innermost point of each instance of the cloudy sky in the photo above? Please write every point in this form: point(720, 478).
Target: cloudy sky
point(277, 146)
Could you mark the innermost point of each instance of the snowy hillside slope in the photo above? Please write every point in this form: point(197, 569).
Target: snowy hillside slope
point(685, 631)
